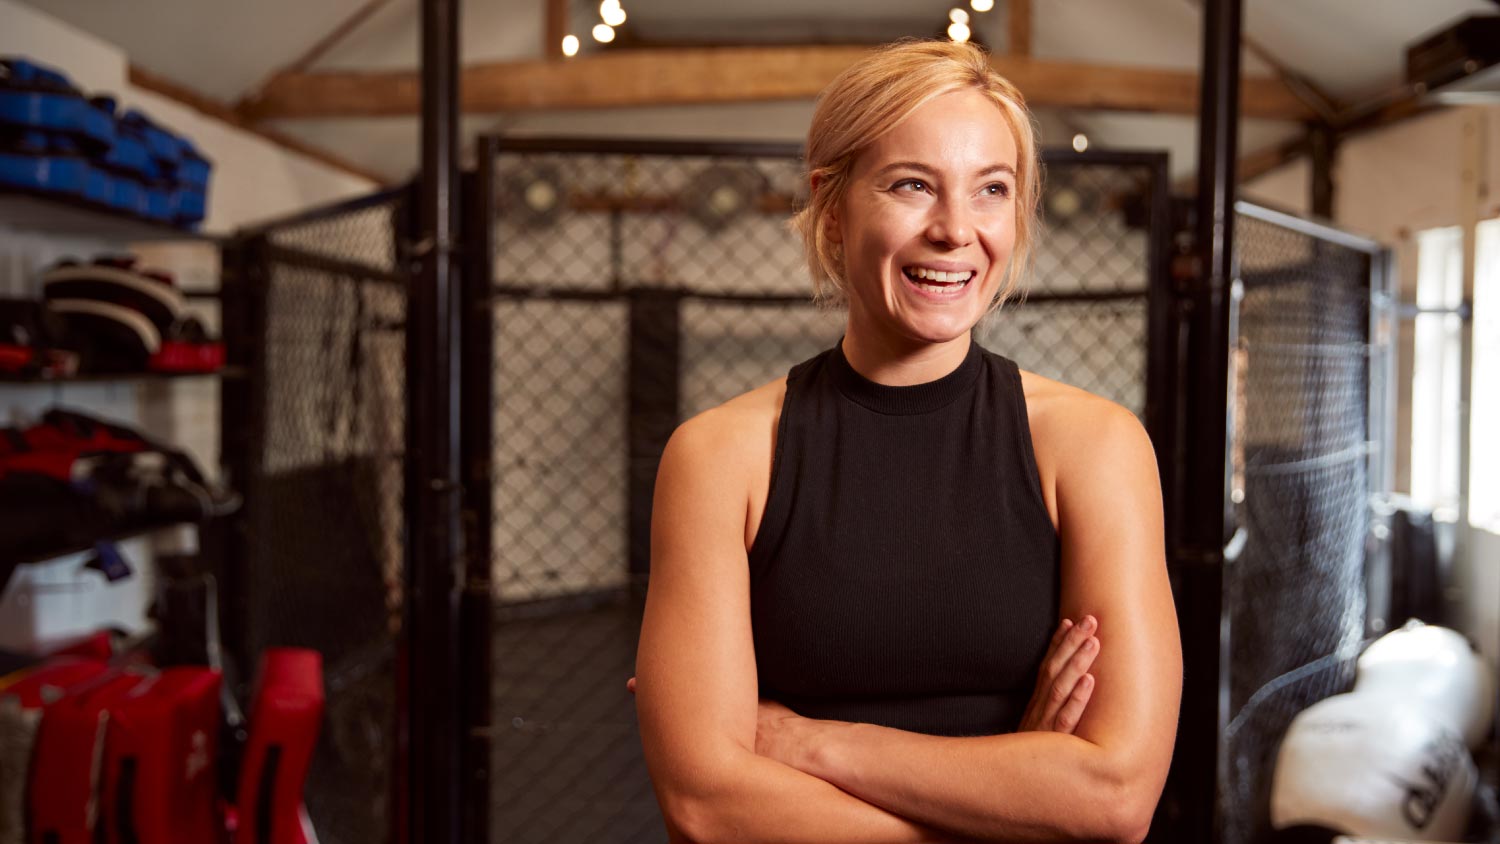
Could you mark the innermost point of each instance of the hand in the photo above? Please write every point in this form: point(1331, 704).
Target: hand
point(1063, 685)
point(776, 736)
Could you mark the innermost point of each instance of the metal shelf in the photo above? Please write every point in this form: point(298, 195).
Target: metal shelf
point(130, 532)
point(61, 214)
point(122, 377)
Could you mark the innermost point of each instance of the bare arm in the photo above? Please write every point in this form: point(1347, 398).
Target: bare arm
point(1103, 782)
point(698, 691)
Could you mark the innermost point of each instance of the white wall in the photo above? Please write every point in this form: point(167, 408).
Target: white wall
point(252, 180)
point(1389, 185)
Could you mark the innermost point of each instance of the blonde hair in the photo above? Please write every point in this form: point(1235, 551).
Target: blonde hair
point(871, 97)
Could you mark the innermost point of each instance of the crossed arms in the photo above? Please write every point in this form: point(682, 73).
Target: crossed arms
point(727, 767)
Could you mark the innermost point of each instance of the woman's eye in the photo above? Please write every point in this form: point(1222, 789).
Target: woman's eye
point(910, 182)
point(1004, 189)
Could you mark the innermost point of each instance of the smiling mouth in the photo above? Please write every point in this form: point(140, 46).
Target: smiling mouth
point(954, 283)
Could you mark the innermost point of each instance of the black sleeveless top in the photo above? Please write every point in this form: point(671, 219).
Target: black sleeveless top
point(905, 571)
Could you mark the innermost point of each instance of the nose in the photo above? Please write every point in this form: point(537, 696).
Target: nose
point(950, 224)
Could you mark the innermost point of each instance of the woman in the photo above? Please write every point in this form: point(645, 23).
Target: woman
point(851, 631)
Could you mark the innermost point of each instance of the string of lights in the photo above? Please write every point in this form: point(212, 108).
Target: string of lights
point(612, 15)
point(958, 19)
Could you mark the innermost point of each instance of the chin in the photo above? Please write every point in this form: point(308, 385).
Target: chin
point(938, 330)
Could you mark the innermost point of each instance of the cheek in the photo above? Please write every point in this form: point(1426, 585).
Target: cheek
point(1000, 234)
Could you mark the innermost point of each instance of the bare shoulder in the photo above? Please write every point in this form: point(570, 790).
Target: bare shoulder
point(1061, 412)
point(739, 438)
point(738, 426)
point(1071, 426)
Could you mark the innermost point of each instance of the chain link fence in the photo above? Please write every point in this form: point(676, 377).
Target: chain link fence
point(636, 285)
point(318, 560)
point(1302, 458)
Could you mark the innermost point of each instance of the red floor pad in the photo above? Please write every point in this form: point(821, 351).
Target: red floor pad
point(65, 766)
point(159, 761)
point(285, 715)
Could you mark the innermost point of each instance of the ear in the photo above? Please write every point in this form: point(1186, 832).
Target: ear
point(831, 221)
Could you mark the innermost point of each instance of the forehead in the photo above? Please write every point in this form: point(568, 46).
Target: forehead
point(958, 132)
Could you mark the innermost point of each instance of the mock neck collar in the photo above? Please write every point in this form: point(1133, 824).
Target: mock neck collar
point(908, 399)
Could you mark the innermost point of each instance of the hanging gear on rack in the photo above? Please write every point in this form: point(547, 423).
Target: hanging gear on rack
point(72, 478)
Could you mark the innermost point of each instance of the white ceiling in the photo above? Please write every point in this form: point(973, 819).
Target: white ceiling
point(1351, 49)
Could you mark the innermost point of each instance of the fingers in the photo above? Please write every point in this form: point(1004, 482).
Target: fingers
point(630, 685)
point(1072, 640)
point(1072, 711)
point(1068, 665)
point(1068, 678)
point(1062, 631)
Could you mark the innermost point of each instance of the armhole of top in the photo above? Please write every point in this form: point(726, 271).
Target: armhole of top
point(769, 529)
point(1023, 433)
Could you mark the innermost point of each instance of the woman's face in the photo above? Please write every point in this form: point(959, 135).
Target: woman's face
point(937, 193)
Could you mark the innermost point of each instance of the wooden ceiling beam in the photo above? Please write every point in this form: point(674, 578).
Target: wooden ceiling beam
point(1323, 105)
point(313, 53)
point(611, 79)
point(557, 17)
point(1387, 109)
point(1020, 27)
point(148, 81)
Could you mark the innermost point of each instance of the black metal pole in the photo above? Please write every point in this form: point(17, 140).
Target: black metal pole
point(1206, 515)
point(1323, 141)
point(241, 434)
point(433, 491)
point(652, 386)
point(478, 444)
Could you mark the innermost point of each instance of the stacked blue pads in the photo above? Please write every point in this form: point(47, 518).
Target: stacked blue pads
point(54, 140)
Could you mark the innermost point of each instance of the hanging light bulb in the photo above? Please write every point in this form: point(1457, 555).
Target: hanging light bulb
point(1080, 142)
point(614, 15)
point(958, 32)
point(958, 16)
point(604, 33)
point(570, 45)
point(981, 5)
point(608, 5)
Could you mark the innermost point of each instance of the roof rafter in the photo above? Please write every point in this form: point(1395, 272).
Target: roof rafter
point(313, 53)
point(1324, 106)
point(556, 14)
point(620, 78)
point(148, 81)
point(1020, 28)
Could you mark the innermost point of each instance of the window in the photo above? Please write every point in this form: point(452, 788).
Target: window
point(1484, 454)
point(1435, 370)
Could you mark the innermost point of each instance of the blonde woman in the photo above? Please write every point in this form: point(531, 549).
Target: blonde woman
point(863, 575)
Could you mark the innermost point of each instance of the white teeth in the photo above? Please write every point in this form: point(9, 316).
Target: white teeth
point(936, 289)
point(937, 275)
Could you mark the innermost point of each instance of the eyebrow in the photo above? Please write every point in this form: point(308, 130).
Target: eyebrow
point(923, 168)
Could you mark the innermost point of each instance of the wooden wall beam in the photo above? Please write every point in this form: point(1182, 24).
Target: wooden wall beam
point(148, 81)
point(1020, 27)
point(556, 12)
point(316, 51)
point(733, 74)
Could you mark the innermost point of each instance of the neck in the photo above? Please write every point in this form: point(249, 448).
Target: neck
point(901, 362)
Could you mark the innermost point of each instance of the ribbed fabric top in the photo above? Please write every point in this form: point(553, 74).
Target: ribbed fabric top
point(905, 569)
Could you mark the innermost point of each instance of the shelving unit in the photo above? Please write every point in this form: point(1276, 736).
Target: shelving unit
point(28, 219)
